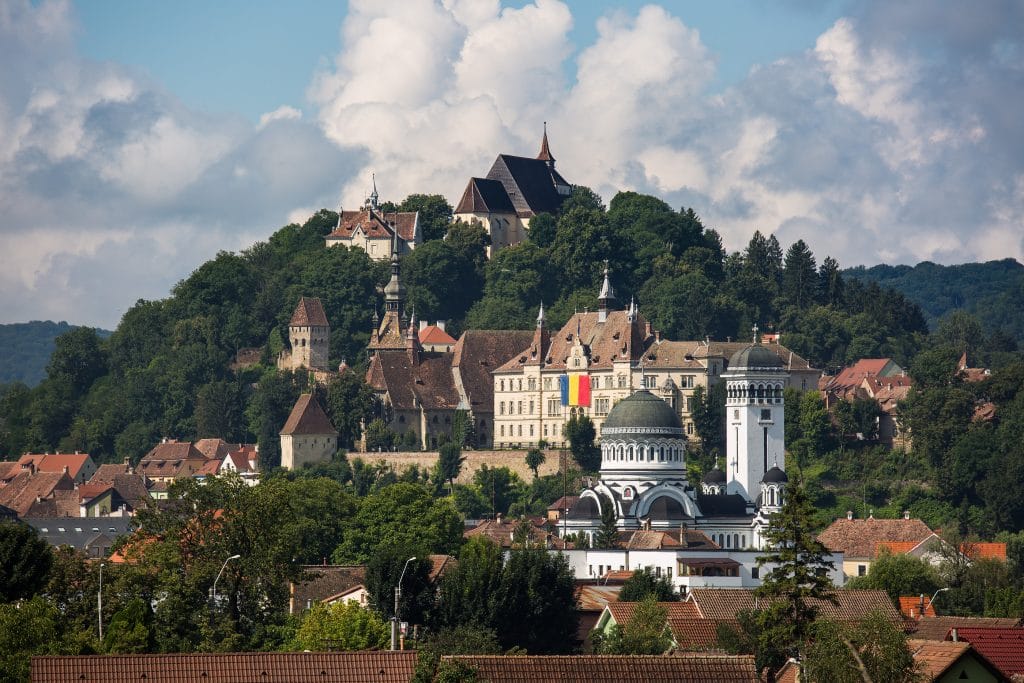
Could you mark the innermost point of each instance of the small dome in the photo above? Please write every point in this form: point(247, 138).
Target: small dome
point(665, 508)
point(714, 476)
point(585, 508)
point(643, 413)
point(755, 356)
point(774, 476)
point(394, 289)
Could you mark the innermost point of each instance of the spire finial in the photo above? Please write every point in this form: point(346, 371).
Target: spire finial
point(540, 315)
point(757, 337)
point(545, 151)
point(373, 195)
point(716, 461)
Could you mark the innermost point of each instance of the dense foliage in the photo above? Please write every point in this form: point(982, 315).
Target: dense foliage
point(27, 348)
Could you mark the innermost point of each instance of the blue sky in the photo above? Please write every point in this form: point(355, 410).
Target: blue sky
point(139, 138)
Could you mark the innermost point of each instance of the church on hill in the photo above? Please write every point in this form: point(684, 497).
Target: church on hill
point(515, 190)
point(375, 231)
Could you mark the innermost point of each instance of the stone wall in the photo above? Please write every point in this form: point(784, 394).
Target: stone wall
point(515, 460)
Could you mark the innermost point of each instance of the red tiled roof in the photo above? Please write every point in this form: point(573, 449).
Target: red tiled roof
point(896, 547)
point(432, 334)
point(682, 668)
point(309, 312)
point(323, 582)
point(173, 450)
point(307, 417)
point(22, 492)
point(622, 612)
point(501, 531)
point(937, 628)
point(851, 605)
point(984, 551)
point(428, 383)
point(910, 606)
point(56, 462)
point(1004, 647)
point(214, 448)
point(596, 598)
point(696, 633)
point(294, 667)
point(859, 538)
point(935, 657)
point(476, 354)
point(210, 467)
point(439, 564)
point(852, 376)
point(374, 224)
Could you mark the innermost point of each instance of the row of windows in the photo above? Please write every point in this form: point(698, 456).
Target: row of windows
point(736, 541)
point(649, 382)
point(642, 453)
point(501, 430)
point(516, 408)
point(301, 343)
point(755, 391)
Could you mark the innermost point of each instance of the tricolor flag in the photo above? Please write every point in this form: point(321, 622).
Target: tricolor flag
point(575, 390)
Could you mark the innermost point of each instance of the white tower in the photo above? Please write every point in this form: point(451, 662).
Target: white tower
point(755, 417)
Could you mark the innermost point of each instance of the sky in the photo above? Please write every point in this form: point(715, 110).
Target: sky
point(138, 138)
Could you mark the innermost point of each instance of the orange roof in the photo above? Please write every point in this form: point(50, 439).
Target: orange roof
point(56, 462)
point(934, 657)
point(910, 606)
point(984, 551)
point(596, 598)
point(432, 334)
point(896, 547)
point(307, 417)
point(308, 312)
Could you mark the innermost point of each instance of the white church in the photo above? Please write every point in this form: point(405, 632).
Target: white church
point(643, 462)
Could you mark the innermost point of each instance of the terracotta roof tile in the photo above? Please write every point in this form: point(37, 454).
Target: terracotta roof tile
point(696, 633)
point(374, 224)
point(501, 531)
point(173, 450)
point(432, 334)
point(22, 492)
point(982, 551)
point(596, 598)
point(323, 582)
point(307, 417)
point(309, 312)
point(623, 612)
point(852, 605)
point(293, 667)
point(681, 668)
point(910, 606)
point(477, 354)
point(934, 657)
point(1003, 647)
point(937, 628)
point(56, 462)
point(859, 538)
point(428, 383)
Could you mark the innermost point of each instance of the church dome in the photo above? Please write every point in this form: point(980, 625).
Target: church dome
point(714, 476)
point(755, 356)
point(666, 509)
point(774, 476)
point(642, 413)
point(585, 508)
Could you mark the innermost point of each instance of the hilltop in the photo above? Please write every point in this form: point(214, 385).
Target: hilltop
point(27, 349)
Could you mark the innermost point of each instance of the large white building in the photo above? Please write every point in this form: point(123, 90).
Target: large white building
point(643, 463)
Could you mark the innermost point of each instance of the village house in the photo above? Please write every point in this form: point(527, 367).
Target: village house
point(80, 466)
point(377, 232)
point(514, 191)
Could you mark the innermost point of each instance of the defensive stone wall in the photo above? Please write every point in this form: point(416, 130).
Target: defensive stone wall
point(514, 460)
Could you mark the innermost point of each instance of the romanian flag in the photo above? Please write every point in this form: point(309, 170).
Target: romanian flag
point(575, 390)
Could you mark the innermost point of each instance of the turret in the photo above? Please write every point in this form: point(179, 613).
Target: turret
point(606, 299)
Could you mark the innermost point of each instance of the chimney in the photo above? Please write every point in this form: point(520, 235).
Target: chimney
point(423, 324)
point(647, 328)
point(906, 515)
point(871, 513)
point(849, 514)
point(955, 635)
point(923, 607)
point(497, 518)
point(441, 324)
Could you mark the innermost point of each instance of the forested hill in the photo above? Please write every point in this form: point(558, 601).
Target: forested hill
point(27, 348)
point(993, 291)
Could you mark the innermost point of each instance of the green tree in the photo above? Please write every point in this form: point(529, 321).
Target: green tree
point(709, 416)
point(128, 631)
point(538, 587)
point(799, 567)
point(32, 627)
point(435, 213)
point(349, 404)
point(800, 276)
point(25, 561)
point(608, 535)
point(898, 574)
point(873, 650)
point(341, 626)
point(643, 584)
point(378, 436)
point(78, 358)
point(383, 572)
point(534, 459)
point(646, 633)
point(219, 411)
point(830, 282)
point(449, 463)
point(268, 410)
point(466, 594)
point(579, 431)
point(499, 485)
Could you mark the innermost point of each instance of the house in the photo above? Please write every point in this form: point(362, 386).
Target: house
point(969, 374)
point(680, 668)
point(514, 191)
point(323, 582)
point(80, 466)
point(309, 337)
point(849, 606)
point(294, 667)
point(1003, 647)
point(243, 461)
point(505, 532)
point(881, 380)
point(561, 506)
point(938, 627)
point(47, 492)
point(949, 662)
point(592, 600)
point(170, 460)
point(376, 232)
point(435, 337)
point(860, 539)
point(621, 613)
point(308, 436)
point(92, 536)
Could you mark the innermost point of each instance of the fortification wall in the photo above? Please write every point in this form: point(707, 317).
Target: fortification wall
point(515, 460)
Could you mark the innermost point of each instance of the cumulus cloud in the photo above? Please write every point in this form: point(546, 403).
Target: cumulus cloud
point(891, 139)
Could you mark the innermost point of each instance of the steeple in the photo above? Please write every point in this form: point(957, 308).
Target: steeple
point(541, 340)
point(605, 298)
point(540, 316)
point(373, 195)
point(394, 293)
point(412, 339)
point(545, 151)
point(631, 315)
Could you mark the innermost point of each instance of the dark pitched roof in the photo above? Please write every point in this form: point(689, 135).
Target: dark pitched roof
point(309, 312)
point(307, 417)
point(477, 354)
point(22, 492)
point(81, 533)
point(323, 582)
point(937, 628)
point(530, 184)
point(173, 450)
point(374, 224)
point(612, 668)
point(428, 383)
point(859, 538)
point(851, 605)
point(698, 634)
point(485, 196)
point(294, 667)
point(722, 505)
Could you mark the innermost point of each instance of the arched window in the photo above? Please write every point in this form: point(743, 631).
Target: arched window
point(631, 454)
point(661, 455)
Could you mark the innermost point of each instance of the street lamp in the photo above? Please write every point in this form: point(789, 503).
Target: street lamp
point(222, 567)
point(398, 594)
point(935, 595)
point(99, 601)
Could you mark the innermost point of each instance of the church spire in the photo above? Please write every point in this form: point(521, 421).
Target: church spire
point(606, 297)
point(540, 315)
point(545, 151)
point(393, 290)
point(374, 197)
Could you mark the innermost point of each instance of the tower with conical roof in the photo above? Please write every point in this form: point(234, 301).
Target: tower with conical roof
point(606, 299)
point(755, 417)
point(545, 154)
point(309, 334)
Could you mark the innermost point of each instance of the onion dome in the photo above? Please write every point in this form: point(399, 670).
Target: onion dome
point(774, 476)
point(643, 413)
point(714, 476)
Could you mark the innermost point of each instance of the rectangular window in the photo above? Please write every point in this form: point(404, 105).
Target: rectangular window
point(689, 404)
point(689, 429)
point(531, 407)
point(668, 572)
point(554, 406)
point(657, 572)
point(532, 384)
point(622, 381)
point(687, 382)
point(608, 382)
point(547, 382)
point(601, 406)
point(520, 430)
point(650, 381)
point(501, 408)
point(531, 430)
point(766, 414)
point(520, 406)
point(861, 570)
point(755, 572)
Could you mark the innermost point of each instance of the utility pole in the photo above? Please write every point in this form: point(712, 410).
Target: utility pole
point(99, 601)
point(398, 595)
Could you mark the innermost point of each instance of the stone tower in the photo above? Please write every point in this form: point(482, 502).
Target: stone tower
point(755, 417)
point(309, 334)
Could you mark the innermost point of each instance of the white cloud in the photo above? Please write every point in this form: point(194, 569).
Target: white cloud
point(282, 113)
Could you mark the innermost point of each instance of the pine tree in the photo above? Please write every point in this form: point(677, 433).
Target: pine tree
point(608, 534)
point(800, 566)
point(800, 276)
point(830, 282)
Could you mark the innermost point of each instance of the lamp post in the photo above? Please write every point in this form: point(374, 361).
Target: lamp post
point(932, 601)
point(99, 601)
point(398, 594)
point(213, 591)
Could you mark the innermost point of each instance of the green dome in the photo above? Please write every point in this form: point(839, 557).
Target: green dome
point(755, 356)
point(642, 413)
